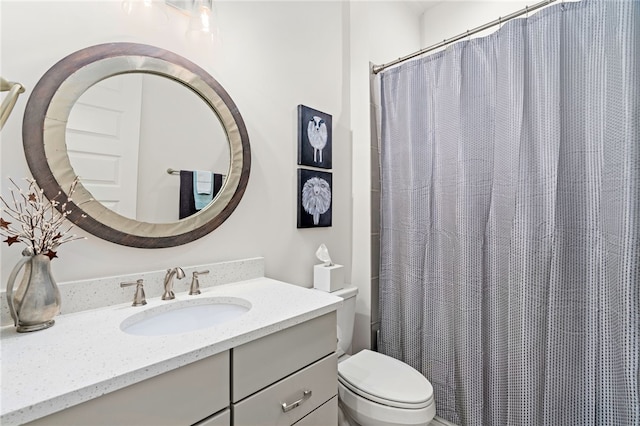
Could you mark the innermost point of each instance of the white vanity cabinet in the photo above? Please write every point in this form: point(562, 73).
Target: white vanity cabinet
point(183, 396)
point(284, 378)
point(221, 419)
point(281, 378)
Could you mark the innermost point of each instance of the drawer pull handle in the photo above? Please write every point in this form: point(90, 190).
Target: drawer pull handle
point(288, 407)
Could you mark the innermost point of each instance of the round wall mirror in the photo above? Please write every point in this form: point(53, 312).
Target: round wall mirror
point(135, 123)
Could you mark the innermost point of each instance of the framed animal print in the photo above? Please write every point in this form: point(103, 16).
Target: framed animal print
point(314, 198)
point(314, 138)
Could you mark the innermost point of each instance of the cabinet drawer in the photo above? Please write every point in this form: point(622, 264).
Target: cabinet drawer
point(266, 407)
point(220, 419)
point(179, 397)
point(325, 415)
point(266, 360)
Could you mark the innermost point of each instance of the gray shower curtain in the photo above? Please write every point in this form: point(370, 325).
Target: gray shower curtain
point(510, 236)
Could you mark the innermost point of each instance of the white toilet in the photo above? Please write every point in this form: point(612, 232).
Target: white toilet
point(375, 389)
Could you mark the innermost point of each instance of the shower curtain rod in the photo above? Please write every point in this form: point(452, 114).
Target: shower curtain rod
point(377, 68)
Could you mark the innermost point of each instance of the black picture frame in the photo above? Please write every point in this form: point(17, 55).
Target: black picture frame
point(315, 198)
point(314, 151)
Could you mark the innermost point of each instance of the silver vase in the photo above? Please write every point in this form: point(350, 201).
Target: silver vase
point(36, 299)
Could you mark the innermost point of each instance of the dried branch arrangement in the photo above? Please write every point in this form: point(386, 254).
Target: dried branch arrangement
point(28, 217)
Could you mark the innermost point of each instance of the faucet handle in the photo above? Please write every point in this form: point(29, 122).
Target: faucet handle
point(139, 297)
point(195, 283)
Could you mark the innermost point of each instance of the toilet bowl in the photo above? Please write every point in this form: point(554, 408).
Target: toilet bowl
point(375, 389)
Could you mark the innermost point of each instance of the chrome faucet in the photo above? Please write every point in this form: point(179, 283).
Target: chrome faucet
point(168, 282)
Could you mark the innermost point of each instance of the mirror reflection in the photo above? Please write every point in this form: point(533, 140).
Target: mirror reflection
point(124, 134)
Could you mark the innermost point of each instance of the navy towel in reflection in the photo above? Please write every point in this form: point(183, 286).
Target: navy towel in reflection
point(187, 201)
point(217, 183)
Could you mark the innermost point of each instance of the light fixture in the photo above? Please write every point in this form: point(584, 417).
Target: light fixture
point(202, 23)
point(132, 6)
point(202, 18)
point(152, 11)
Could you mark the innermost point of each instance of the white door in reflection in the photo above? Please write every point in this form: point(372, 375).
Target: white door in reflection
point(103, 136)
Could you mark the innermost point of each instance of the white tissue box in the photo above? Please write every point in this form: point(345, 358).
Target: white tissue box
point(328, 278)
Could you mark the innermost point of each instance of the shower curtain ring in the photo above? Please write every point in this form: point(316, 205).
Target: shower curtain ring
point(526, 8)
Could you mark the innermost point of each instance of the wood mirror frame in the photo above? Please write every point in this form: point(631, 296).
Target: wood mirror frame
point(44, 128)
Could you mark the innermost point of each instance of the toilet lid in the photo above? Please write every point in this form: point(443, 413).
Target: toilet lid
point(385, 380)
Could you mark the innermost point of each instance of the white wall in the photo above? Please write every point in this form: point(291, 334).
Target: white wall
point(380, 32)
point(274, 56)
point(449, 18)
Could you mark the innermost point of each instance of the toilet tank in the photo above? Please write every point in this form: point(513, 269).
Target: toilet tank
point(346, 318)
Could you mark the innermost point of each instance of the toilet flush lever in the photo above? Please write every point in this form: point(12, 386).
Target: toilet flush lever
point(288, 407)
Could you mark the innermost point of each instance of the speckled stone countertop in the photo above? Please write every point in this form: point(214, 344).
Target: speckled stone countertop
point(86, 354)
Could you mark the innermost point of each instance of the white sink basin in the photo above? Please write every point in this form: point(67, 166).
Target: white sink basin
point(185, 316)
